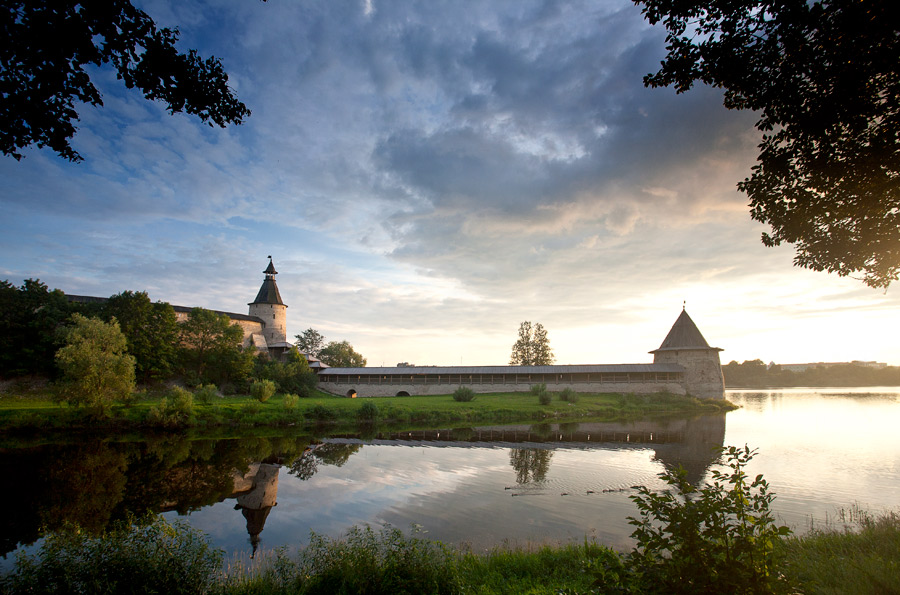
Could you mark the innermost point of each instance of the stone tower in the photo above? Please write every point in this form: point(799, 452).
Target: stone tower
point(685, 345)
point(269, 307)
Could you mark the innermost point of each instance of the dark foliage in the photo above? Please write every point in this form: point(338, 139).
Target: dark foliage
point(210, 349)
point(31, 317)
point(293, 375)
point(823, 77)
point(46, 45)
point(150, 329)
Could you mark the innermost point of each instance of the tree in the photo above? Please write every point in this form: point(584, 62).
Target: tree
point(30, 318)
point(48, 43)
point(211, 348)
point(532, 348)
point(341, 355)
point(293, 375)
point(95, 363)
point(310, 342)
point(151, 331)
point(823, 76)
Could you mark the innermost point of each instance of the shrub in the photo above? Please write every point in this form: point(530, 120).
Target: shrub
point(320, 413)
point(368, 411)
point(540, 391)
point(386, 563)
point(717, 539)
point(290, 401)
point(205, 393)
point(463, 394)
point(568, 395)
point(153, 557)
point(251, 409)
point(262, 390)
point(176, 409)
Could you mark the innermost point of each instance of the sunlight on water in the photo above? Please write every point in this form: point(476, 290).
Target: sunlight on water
point(821, 450)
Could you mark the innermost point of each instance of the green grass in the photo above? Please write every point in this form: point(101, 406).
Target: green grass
point(36, 410)
point(861, 557)
point(161, 557)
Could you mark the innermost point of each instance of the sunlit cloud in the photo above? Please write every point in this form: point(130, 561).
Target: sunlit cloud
point(428, 176)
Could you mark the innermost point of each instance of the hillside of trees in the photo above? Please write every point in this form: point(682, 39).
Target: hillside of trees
point(755, 374)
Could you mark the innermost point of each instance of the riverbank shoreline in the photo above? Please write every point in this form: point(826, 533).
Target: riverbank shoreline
point(35, 409)
point(852, 558)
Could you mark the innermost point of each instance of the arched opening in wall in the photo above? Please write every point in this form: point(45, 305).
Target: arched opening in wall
point(402, 393)
point(352, 393)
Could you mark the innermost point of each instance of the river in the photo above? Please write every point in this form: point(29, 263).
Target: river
point(822, 451)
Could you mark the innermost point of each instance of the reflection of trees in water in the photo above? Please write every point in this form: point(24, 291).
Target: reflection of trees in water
point(94, 482)
point(87, 484)
point(46, 487)
point(531, 464)
point(307, 464)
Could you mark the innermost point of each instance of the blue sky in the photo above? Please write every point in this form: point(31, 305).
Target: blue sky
point(429, 174)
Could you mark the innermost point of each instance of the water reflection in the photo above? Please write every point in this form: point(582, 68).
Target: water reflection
point(306, 465)
point(97, 481)
point(256, 492)
point(531, 464)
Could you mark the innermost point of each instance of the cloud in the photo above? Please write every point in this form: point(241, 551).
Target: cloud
point(427, 174)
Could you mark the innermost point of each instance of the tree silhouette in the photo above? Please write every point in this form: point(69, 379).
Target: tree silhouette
point(532, 348)
point(46, 45)
point(823, 77)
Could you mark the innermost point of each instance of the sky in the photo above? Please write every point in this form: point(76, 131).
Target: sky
point(429, 174)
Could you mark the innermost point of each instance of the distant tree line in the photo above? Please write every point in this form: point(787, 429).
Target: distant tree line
point(755, 374)
point(102, 347)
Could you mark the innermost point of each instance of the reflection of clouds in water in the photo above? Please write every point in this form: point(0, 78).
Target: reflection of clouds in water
point(491, 492)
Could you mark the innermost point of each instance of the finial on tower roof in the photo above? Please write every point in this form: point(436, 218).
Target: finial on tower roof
point(270, 270)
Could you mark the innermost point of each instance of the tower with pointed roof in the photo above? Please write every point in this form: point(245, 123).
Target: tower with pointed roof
point(269, 308)
point(685, 346)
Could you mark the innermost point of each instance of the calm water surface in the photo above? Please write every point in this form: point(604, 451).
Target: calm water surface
point(820, 449)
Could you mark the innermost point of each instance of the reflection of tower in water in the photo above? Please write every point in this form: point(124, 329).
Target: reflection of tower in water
point(703, 437)
point(256, 492)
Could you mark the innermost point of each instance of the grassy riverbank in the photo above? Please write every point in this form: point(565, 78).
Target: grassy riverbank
point(36, 409)
point(175, 558)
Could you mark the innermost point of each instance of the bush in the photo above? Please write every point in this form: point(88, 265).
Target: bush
point(368, 411)
point(251, 409)
point(568, 395)
point(717, 539)
point(152, 557)
point(463, 394)
point(205, 393)
point(290, 401)
point(262, 390)
point(177, 409)
point(320, 413)
point(386, 563)
point(540, 391)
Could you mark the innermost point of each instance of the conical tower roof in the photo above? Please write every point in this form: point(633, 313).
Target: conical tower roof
point(268, 293)
point(684, 335)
